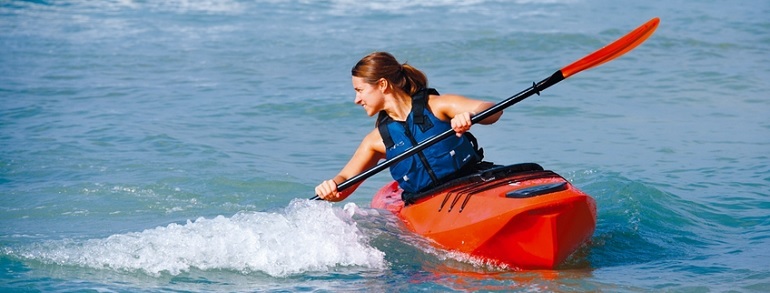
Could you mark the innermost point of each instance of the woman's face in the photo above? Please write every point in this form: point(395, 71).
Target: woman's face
point(369, 96)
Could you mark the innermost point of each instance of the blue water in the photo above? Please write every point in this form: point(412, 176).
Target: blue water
point(151, 146)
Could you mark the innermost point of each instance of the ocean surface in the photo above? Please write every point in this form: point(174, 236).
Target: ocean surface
point(171, 145)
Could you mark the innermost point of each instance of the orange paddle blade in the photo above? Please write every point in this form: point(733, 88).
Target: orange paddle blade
point(613, 50)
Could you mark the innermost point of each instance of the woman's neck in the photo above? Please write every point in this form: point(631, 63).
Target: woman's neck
point(398, 106)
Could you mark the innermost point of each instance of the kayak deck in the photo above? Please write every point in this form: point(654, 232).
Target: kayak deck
point(518, 215)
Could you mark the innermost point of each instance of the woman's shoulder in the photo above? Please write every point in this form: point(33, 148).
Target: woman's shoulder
point(445, 99)
point(445, 105)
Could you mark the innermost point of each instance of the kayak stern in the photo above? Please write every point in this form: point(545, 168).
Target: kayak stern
point(530, 219)
point(542, 238)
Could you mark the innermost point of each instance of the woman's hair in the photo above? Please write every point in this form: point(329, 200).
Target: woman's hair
point(383, 65)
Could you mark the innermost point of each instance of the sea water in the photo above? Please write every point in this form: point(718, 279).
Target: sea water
point(150, 146)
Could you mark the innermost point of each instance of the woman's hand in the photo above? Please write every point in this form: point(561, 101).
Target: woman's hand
point(327, 190)
point(462, 123)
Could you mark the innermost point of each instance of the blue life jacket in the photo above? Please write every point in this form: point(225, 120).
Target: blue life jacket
point(428, 167)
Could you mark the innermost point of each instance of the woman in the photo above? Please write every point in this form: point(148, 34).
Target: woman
point(408, 113)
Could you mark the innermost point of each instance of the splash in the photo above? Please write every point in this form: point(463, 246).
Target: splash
point(308, 236)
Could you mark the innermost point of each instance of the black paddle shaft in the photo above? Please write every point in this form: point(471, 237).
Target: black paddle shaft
point(535, 89)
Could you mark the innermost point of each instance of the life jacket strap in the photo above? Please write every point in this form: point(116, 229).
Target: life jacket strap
point(419, 103)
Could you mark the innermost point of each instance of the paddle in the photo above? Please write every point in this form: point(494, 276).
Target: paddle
point(599, 57)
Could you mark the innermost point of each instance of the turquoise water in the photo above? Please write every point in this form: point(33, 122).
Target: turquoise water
point(151, 146)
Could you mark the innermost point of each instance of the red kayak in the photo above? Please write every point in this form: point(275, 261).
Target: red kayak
point(518, 215)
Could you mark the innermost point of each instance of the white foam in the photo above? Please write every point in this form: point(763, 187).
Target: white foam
point(307, 236)
point(180, 6)
point(352, 209)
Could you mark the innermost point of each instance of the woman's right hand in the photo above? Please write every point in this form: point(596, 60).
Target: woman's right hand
point(327, 190)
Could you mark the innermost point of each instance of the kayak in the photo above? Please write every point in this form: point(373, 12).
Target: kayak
point(520, 215)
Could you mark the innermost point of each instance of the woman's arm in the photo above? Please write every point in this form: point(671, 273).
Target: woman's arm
point(369, 152)
point(459, 109)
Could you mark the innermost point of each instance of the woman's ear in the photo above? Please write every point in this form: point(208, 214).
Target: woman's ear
point(383, 85)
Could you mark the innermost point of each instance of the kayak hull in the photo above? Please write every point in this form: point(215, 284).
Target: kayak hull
point(519, 215)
